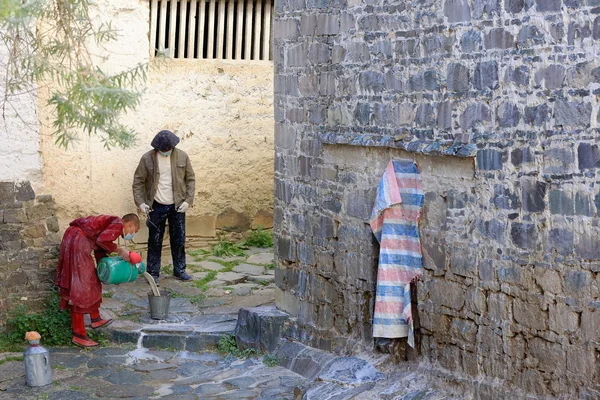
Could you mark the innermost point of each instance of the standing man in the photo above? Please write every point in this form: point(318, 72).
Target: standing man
point(76, 276)
point(163, 189)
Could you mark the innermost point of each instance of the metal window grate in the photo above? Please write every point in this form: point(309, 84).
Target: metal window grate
point(212, 29)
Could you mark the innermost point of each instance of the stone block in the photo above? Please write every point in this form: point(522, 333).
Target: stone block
point(518, 75)
point(508, 115)
point(537, 115)
point(584, 205)
point(533, 195)
point(203, 226)
point(462, 263)
point(35, 231)
point(449, 294)
point(561, 203)
point(457, 11)
point(486, 75)
point(576, 282)
point(260, 328)
point(489, 160)
point(554, 76)
point(588, 156)
point(463, 330)
point(470, 41)
point(562, 319)
point(530, 314)
point(523, 235)
point(425, 116)
point(475, 115)
point(360, 203)
point(559, 161)
point(548, 5)
point(23, 191)
point(164, 341)
point(40, 211)
point(590, 321)
point(588, 247)
point(572, 114)
point(498, 38)
point(444, 115)
point(551, 356)
point(328, 24)
point(457, 78)
point(498, 306)
point(15, 216)
point(549, 280)
point(52, 224)
point(287, 29)
point(504, 198)
point(7, 193)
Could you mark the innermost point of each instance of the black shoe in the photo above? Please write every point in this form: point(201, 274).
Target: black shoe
point(155, 280)
point(183, 276)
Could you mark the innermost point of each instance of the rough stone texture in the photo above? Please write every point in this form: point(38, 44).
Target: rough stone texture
point(259, 328)
point(505, 87)
point(28, 247)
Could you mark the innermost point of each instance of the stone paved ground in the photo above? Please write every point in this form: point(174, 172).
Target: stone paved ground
point(177, 359)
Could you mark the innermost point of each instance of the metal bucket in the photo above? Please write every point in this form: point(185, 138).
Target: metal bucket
point(159, 305)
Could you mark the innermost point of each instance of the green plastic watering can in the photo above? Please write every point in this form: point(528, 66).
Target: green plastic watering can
point(115, 270)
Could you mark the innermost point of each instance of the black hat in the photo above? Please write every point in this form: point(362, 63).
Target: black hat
point(164, 141)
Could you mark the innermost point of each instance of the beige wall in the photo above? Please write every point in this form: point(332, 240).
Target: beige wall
point(221, 110)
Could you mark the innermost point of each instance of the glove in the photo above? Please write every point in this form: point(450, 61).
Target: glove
point(145, 208)
point(134, 257)
point(183, 207)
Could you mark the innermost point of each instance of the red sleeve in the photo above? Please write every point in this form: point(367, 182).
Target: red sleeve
point(110, 233)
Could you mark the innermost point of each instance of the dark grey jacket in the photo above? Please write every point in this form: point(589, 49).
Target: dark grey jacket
point(145, 179)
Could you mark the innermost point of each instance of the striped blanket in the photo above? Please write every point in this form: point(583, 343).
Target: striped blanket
point(394, 222)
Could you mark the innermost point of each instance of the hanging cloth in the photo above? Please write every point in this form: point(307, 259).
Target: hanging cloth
point(394, 221)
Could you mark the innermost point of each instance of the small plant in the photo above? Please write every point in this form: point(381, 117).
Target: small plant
point(263, 282)
point(259, 238)
point(166, 269)
point(52, 323)
point(225, 248)
point(7, 359)
point(228, 345)
point(201, 283)
point(199, 254)
point(271, 360)
point(227, 265)
point(270, 266)
point(194, 299)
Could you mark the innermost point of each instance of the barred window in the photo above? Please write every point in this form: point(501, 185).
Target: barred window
point(212, 29)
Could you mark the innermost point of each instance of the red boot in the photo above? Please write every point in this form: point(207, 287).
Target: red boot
point(79, 334)
point(97, 321)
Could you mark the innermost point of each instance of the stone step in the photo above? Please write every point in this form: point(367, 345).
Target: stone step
point(194, 334)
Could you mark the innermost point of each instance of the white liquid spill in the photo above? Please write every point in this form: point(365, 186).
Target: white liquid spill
point(140, 353)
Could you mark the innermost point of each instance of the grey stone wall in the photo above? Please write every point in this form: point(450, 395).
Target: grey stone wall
point(511, 291)
point(29, 242)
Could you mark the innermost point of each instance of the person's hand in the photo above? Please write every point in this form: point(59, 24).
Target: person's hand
point(123, 253)
point(183, 207)
point(145, 208)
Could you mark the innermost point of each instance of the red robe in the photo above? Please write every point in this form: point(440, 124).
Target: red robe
point(76, 272)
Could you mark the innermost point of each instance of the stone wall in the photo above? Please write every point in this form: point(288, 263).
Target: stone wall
point(29, 242)
point(511, 291)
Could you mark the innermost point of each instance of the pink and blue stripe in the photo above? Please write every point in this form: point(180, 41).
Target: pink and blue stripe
point(394, 222)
